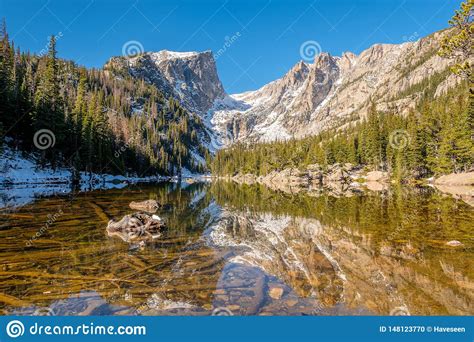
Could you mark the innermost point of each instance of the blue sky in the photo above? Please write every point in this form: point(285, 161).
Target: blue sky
point(267, 34)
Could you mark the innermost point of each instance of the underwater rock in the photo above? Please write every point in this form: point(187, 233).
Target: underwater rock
point(454, 243)
point(275, 292)
point(138, 226)
point(149, 205)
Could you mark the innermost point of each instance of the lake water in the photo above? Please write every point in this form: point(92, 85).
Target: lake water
point(241, 249)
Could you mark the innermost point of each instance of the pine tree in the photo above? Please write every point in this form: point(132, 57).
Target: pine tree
point(48, 104)
point(6, 71)
point(80, 108)
point(458, 43)
point(373, 142)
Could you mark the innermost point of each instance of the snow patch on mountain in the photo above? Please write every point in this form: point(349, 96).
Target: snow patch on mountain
point(329, 93)
point(166, 54)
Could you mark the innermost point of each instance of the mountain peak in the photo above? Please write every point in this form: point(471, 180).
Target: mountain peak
point(349, 55)
point(298, 69)
point(325, 61)
point(331, 92)
point(311, 97)
point(191, 77)
point(347, 61)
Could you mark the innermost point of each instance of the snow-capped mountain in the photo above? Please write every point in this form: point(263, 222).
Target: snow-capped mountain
point(190, 77)
point(332, 92)
point(271, 112)
point(311, 97)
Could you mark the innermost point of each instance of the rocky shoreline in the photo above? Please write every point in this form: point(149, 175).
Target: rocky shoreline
point(337, 177)
point(344, 179)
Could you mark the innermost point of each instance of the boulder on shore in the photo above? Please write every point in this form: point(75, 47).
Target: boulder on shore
point(377, 176)
point(465, 178)
point(247, 178)
point(337, 174)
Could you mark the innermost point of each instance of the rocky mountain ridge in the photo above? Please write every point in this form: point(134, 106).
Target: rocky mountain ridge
point(190, 77)
point(329, 93)
point(335, 91)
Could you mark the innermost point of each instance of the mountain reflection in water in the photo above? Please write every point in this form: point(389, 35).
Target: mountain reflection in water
point(245, 248)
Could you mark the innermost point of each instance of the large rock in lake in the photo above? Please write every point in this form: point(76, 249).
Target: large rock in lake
point(138, 226)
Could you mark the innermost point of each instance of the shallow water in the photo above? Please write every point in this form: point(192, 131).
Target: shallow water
point(241, 249)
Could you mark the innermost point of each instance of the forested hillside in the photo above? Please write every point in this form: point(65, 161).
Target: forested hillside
point(435, 138)
point(92, 120)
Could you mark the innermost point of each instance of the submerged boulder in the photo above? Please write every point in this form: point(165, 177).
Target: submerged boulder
point(149, 205)
point(138, 226)
point(275, 292)
point(454, 243)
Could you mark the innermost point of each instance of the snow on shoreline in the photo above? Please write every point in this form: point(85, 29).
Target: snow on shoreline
point(22, 180)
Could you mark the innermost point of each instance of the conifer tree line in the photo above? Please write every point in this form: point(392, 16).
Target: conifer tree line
point(101, 123)
point(435, 138)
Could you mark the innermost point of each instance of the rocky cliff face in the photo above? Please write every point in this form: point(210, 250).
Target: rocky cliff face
point(191, 77)
point(329, 93)
point(270, 112)
point(334, 91)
